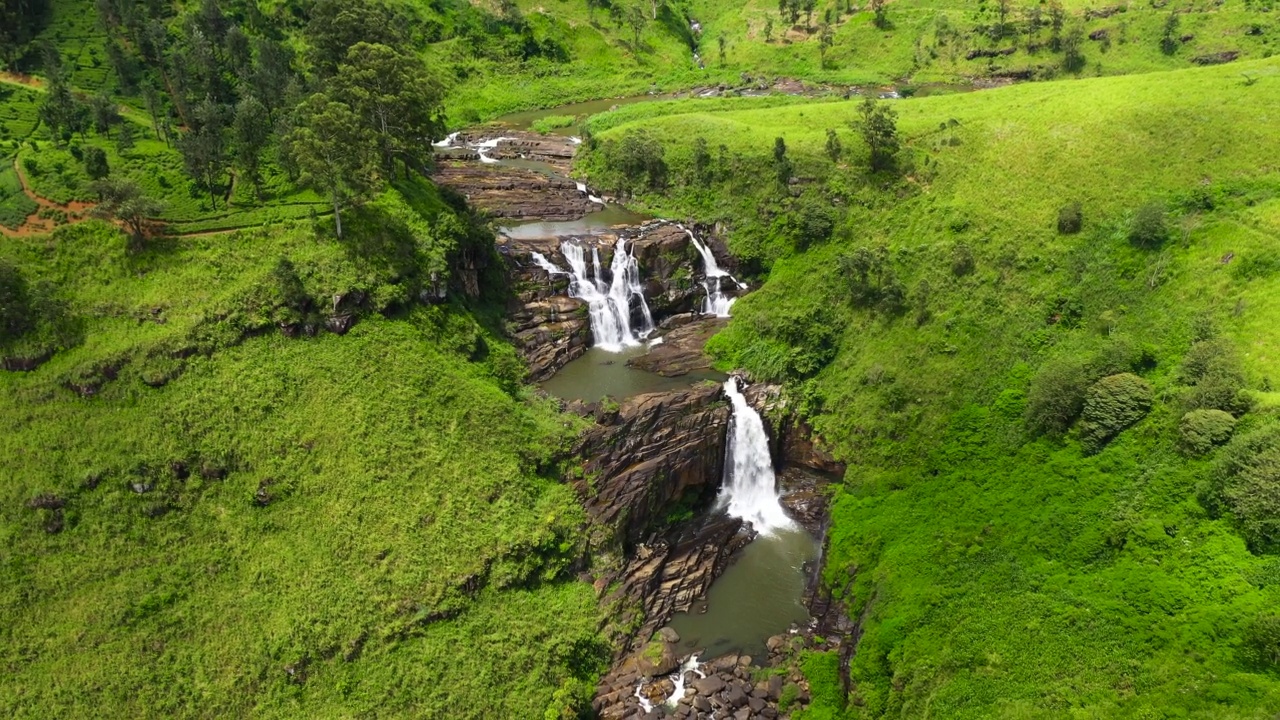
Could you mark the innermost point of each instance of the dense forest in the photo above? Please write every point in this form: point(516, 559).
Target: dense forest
point(267, 446)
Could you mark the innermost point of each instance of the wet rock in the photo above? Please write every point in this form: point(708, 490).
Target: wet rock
point(661, 447)
point(791, 439)
point(709, 685)
point(805, 497)
point(681, 351)
point(669, 635)
point(734, 697)
point(515, 193)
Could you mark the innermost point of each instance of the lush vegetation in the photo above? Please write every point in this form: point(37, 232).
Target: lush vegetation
point(1041, 336)
point(295, 470)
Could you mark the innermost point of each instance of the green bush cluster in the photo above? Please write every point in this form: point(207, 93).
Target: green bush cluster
point(1245, 484)
point(1070, 219)
point(1056, 396)
point(1149, 228)
point(1200, 430)
point(1112, 404)
point(1212, 370)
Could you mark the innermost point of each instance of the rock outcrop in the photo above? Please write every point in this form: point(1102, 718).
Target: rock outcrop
point(659, 449)
point(549, 327)
point(515, 193)
point(791, 440)
point(681, 351)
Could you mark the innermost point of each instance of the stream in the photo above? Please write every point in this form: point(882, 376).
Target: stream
point(760, 594)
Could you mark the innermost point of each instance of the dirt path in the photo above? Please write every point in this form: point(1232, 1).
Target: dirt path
point(76, 211)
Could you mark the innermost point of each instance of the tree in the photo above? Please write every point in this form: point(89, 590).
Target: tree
point(881, 13)
point(334, 153)
point(834, 149)
point(204, 146)
point(397, 99)
point(95, 163)
point(1169, 35)
point(105, 113)
point(634, 17)
point(1073, 48)
point(124, 139)
point(15, 303)
point(239, 51)
point(701, 161)
point(20, 20)
point(1057, 17)
point(781, 163)
point(336, 25)
point(878, 125)
point(250, 133)
point(271, 74)
point(808, 5)
point(768, 29)
point(123, 200)
point(720, 41)
point(826, 38)
point(151, 96)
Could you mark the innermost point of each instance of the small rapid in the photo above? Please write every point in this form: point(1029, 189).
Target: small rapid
point(750, 489)
point(609, 304)
point(716, 303)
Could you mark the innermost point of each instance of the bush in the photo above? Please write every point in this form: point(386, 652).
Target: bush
point(15, 304)
point(962, 262)
point(1262, 641)
point(1056, 396)
point(1213, 370)
point(1246, 484)
point(95, 163)
point(1121, 355)
point(1070, 219)
point(1112, 404)
point(1200, 430)
point(1149, 229)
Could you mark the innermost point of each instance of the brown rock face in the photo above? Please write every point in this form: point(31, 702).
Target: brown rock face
point(549, 327)
point(658, 448)
point(681, 351)
point(515, 193)
point(791, 439)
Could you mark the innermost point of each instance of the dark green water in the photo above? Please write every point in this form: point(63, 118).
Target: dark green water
point(599, 373)
point(759, 596)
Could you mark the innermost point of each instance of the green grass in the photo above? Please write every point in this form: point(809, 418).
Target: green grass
point(413, 557)
point(15, 206)
point(999, 574)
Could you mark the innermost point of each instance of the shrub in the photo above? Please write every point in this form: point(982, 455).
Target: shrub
point(962, 262)
point(1149, 229)
point(1070, 219)
point(15, 303)
point(1200, 430)
point(95, 163)
point(1121, 355)
point(1056, 396)
point(1112, 404)
point(1246, 483)
point(1262, 641)
point(1213, 370)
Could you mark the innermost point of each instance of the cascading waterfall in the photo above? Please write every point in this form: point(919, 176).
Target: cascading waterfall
point(717, 303)
point(609, 303)
point(750, 489)
point(542, 262)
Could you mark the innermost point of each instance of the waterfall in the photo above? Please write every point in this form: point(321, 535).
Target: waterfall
point(750, 489)
point(542, 262)
point(717, 303)
point(677, 692)
point(482, 147)
point(609, 303)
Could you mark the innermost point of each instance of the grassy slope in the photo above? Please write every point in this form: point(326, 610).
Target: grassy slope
point(1002, 575)
point(412, 559)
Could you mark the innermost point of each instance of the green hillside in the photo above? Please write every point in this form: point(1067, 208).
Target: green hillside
point(255, 463)
point(935, 317)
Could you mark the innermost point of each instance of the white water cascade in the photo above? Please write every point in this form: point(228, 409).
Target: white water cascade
point(542, 262)
point(750, 490)
point(717, 303)
point(677, 679)
point(609, 303)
